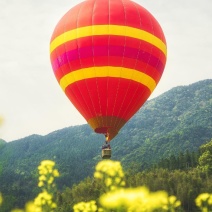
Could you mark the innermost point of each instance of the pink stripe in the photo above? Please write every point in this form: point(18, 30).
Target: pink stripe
point(95, 51)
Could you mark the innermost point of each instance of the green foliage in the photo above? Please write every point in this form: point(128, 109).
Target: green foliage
point(183, 161)
point(205, 160)
point(86, 190)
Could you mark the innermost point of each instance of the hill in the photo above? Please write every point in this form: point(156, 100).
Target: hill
point(176, 121)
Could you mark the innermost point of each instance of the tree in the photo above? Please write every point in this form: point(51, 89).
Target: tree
point(205, 159)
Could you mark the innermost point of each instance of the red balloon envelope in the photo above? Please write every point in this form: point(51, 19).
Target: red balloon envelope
point(108, 56)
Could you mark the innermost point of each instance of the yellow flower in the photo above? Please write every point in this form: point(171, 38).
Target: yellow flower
point(46, 179)
point(98, 175)
point(56, 173)
point(157, 200)
point(46, 195)
point(47, 173)
point(141, 198)
point(202, 198)
point(108, 182)
point(85, 207)
point(1, 199)
point(53, 205)
point(117, 180)
point(124, 197)
point(31, 207)
point(111, 173)
point(120, 173)
point(174, 202)
point(93, 206)
point(51, 179)
point(42, 178)
point(210, 200)
point(47, 163)
point(40, 184)
point(112, 187)
point(122, 183)
point(43, 198)
point(42, 170)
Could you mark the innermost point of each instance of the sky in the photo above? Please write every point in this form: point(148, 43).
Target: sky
point(31, 101)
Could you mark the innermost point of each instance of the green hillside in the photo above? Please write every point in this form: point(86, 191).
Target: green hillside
point(176, 121)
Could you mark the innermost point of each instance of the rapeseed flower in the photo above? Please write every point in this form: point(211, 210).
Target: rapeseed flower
point(138, 199)
point(56, 173)
point(111, 174)
point(44, 200)
point(85, 207)
point(174, 202)
point(42, 178)
point(40, 184)
point(31, 207)
point(47, 173)
point(201, 199)
point(129, 199)
point(1, 199)
point(204, 202)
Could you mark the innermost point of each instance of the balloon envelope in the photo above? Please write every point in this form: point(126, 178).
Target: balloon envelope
point(108, 56)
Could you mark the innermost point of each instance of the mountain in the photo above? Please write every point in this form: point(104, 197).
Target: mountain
point(176, 121)
point(2, 141)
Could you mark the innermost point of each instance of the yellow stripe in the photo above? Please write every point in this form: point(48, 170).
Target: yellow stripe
point(108, 30)
point(107, 71)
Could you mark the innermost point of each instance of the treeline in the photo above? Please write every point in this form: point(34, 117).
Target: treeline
point(185, 181)
point(185, 184)
point(183, 161)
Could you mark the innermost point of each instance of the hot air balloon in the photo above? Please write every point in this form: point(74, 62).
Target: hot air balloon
point(108, 56)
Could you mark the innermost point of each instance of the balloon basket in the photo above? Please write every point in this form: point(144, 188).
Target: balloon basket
point(106, 153)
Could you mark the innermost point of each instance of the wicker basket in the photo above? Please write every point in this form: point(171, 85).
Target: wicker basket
point(106, 153)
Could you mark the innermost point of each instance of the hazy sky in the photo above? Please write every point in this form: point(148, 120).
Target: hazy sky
point(31, 101)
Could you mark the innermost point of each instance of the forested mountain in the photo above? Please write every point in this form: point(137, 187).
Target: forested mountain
point(177, 121)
